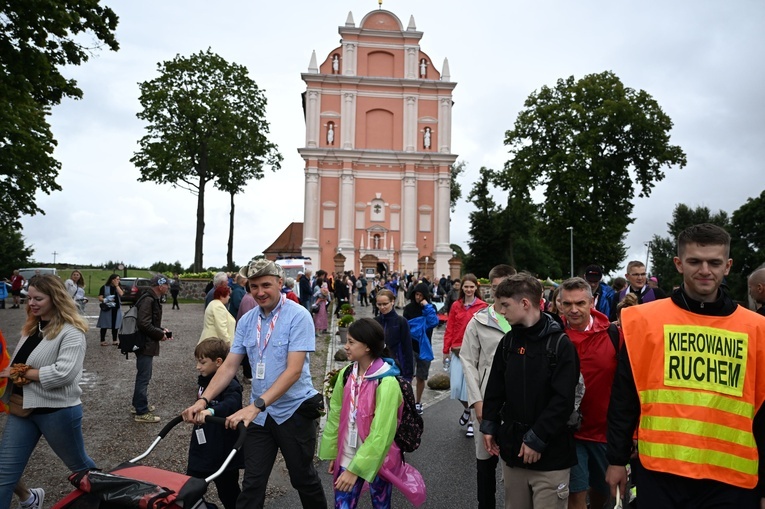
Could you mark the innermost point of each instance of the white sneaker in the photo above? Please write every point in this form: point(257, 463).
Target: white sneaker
point(38, 497)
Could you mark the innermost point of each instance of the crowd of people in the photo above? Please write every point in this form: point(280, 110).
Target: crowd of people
point(567, 386)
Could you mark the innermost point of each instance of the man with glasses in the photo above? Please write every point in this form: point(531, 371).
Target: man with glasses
point(637, 279)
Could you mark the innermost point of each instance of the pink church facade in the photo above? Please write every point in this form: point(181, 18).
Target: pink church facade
point(378, 152)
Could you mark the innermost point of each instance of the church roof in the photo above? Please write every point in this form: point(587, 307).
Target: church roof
point(288, 244)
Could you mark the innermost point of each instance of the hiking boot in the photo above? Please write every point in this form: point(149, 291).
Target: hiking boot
point(38, 496)
point(418, 407)
point(147, 417)
point(151, 409)
point(470, 432)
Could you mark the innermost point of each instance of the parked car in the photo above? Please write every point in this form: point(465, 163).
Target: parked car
point(133, 287)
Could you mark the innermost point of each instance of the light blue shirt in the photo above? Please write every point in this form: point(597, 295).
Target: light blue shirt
point(294, 332)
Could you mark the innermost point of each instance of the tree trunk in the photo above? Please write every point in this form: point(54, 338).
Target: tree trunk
point(198, 254)
point(230, 253)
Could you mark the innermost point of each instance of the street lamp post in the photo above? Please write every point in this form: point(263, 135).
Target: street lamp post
point(571, 229)
point(647, 254)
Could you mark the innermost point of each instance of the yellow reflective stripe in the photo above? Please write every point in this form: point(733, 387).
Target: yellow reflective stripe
point(699, 456)
point(698, 428)
point(700, 399)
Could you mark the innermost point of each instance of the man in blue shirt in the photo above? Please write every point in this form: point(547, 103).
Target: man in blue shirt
point(277, 336)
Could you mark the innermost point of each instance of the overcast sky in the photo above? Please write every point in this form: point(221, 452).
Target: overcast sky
point(703, 61)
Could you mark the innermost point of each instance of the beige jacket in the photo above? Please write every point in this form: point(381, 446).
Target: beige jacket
point(218, 323)
point(482, 336)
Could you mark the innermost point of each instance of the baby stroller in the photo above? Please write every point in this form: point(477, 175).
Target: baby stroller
point(132, 485)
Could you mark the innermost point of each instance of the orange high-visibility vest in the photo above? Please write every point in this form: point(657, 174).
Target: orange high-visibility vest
point(700, 379)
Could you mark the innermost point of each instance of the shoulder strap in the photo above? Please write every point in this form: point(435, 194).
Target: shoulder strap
point(552, 354)
point(613, 333)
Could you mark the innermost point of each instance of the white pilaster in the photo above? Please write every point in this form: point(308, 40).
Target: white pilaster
point(345, 218)
point(312, 119)
point(442, 252)
point(444, 125)
point(348, 122)
point(410, 61)
point(311, 215)
point(349, 58)
point(410, 123)
point(409, 228)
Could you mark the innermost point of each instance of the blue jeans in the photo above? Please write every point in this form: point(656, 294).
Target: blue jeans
point(143, 365)
point(62, 430)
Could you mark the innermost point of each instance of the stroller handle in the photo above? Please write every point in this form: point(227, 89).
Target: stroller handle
point(241, 428)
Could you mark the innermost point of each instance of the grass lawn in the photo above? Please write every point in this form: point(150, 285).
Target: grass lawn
point(94, 278)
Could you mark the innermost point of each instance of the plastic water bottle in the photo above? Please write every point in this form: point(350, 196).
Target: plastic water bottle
point(447, 363)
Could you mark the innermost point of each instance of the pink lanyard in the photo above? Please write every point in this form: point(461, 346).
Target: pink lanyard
point(270, 329)
point(355, 389)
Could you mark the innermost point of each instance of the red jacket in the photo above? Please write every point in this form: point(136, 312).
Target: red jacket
point(597, 362)
point(459, 316)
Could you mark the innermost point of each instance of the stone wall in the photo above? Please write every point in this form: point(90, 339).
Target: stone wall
point(193, 289)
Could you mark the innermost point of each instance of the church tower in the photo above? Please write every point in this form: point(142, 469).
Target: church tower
point(378, 152)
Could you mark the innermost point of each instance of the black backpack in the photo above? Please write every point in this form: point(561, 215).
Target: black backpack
point(409, 431)
point(132, 339)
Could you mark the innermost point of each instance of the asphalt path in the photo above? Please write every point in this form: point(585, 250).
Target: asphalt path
point(446, 460)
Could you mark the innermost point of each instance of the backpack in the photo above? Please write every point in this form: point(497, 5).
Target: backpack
point(575, 419)
point(358, 283)
point(132, 339)
point(409, 431)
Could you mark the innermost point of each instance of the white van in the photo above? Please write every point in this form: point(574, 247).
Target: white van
point(28, 273)
point(292, 266)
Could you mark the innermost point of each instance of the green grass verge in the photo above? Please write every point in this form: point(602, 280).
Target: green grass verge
point(94, 278)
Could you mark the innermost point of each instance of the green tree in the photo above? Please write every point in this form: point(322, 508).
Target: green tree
point(525, 249)
point(589, 144)
point(748, 244)
point(487, 247)
point(662, 250)
point(38, 39)
point(455, 189)
point(206, 122)
point(14, 253)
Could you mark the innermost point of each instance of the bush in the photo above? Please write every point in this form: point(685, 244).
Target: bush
point(345, 320)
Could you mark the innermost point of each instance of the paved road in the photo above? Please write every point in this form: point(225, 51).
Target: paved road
point(446, 458)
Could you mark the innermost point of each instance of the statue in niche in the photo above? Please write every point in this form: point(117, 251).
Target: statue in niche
point(376, 241)
point(426, 138)
point(423, 68)
point(335, 64)
point(331, 133)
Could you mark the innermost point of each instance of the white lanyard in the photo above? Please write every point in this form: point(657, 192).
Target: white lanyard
point(270, 329)
point(355, 390)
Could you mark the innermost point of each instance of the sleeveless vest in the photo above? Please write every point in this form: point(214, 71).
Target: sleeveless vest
point(700, 380)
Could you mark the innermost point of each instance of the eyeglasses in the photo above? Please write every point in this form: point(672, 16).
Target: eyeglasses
point(642, 274)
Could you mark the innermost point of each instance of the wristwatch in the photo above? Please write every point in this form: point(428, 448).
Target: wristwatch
point(260, 404)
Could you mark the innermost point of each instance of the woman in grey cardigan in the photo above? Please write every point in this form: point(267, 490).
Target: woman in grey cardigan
point(45, 370)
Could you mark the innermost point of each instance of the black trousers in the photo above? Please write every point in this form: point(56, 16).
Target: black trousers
point(296, 439)
point(227, 485)
point(659, 490)
point(487, 482)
